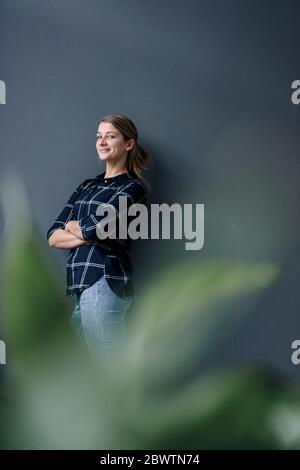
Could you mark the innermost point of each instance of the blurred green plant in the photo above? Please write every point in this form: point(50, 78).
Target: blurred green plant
point(54, 397)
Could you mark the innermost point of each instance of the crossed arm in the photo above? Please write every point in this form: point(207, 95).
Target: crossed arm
point(67, 238)
point(75, 233)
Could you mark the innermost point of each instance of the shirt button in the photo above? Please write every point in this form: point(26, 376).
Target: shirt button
point(105, 181)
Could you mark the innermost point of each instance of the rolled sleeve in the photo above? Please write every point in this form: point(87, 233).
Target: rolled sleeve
point(67, 212)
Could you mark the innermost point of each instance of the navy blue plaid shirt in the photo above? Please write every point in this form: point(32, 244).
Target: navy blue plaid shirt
point(108, 257)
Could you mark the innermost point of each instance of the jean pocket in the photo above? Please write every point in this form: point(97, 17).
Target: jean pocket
point(89, 294)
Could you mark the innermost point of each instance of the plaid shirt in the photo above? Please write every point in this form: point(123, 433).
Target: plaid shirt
point(88, 262)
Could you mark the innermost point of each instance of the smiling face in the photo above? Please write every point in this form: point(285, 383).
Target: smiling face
point(110, 143)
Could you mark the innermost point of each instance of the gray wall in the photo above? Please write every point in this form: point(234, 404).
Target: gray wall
point(208, 85)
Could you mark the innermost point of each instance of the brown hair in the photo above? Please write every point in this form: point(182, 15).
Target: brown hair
point(138, 158)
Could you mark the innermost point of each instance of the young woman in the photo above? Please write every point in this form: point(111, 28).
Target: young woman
point(99, 271)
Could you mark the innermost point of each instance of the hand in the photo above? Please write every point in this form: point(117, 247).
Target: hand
point(74, 227)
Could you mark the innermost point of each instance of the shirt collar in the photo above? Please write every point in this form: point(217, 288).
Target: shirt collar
point(120, 179)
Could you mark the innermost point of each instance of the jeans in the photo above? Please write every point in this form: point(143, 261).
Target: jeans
point(99, 317)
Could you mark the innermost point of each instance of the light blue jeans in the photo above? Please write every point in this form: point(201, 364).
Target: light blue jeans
point(99, 317)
